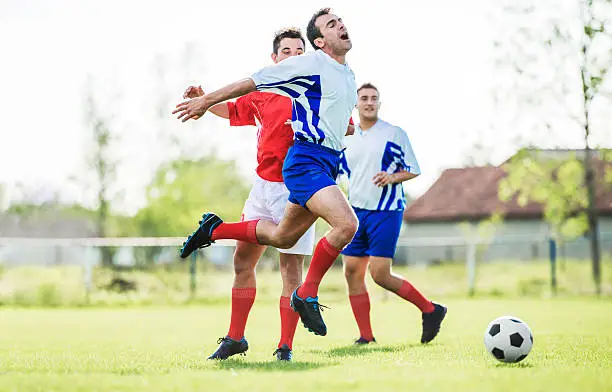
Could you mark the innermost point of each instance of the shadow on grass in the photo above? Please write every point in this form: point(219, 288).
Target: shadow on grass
point(358, 350)
point(514, 365)
point(270, 366)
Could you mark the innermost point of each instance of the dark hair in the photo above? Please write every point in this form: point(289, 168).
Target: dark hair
point(368, 85)
point(312, 31)
point(289, 32)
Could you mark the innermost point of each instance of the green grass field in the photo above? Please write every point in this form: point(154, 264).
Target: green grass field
point(164, 349)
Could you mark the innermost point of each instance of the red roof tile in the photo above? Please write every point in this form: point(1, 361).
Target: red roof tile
point(472, 194)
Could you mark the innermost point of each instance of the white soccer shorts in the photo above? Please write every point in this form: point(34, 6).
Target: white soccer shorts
point(267, 200)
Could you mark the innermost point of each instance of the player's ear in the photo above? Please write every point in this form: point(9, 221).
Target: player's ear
point(320, 42)
point(273, 56)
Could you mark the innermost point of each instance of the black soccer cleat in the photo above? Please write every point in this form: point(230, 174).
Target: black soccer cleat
point(309, 310)
point(201, 237)
point(229, 347)
point(363, 341)
point(432, 322)
point(283, 353)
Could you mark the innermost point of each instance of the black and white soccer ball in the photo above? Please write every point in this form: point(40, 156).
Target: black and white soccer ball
point(508, 339)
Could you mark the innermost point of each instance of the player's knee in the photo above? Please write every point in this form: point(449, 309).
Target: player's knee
point(243, 270)
point(243, 266)
point(285, 243)
point(380, 276)
point(347, 230)
point(350, 272)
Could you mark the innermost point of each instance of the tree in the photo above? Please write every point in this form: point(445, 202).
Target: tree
point(101, 162)
point(552, 183)
point(183, 189)
point(559, 55)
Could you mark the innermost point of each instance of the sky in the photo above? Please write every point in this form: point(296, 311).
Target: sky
point(434, 63)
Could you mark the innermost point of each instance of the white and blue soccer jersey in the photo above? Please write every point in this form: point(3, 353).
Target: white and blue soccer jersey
point(323, 92)
point(386, 148)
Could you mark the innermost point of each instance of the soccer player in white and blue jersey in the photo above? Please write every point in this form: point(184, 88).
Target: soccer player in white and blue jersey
point(323, 92)
point(377, 160)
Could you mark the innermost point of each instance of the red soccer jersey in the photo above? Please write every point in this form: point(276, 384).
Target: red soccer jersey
point(269, 112)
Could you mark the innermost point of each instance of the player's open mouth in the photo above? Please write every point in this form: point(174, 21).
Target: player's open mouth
point(344, 36)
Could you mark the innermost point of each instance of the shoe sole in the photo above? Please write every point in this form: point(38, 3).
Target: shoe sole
point(243, 353)
point(187, 248)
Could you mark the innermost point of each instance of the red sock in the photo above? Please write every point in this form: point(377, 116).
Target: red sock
point(411, 294)
point(241, 231)
point(323, 258)
point(242, 301)
point(361, 309)
point(289, 319)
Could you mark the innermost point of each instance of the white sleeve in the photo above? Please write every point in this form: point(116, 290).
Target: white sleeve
point(410, 162)
point(291, 77)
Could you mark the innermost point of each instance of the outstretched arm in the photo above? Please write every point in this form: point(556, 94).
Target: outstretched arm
point(219, 109)
point(196, 107)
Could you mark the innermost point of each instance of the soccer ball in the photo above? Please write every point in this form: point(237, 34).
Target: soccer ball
point(508, 339)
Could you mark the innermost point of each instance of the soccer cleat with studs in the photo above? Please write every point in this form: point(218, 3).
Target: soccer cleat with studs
point(432, 322)
point(202, 236)
point(229, 347)
point(309, 310)
point(283, 353)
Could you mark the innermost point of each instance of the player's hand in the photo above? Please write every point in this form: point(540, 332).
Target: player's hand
point(382, 179)
point(350, 130)
point(193, 92)
point(193, 108)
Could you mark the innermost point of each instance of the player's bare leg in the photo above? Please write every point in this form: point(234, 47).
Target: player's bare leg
point(291, 266)
point(355, 269)
point(246, 257)
point(295, 222)
point(330, 204)
point(432, 313)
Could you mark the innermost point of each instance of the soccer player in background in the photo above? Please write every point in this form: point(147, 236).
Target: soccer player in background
point(267, 200)
point(323, 92)
point(377, 160)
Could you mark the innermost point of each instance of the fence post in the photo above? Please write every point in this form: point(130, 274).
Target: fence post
point(87, 275)
point(552, 255)
point(471, 267)
point(192, 274)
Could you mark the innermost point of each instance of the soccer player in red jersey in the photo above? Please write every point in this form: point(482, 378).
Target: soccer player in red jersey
point(267, 200)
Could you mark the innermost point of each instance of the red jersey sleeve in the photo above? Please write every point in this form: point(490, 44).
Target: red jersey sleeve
point(351, 121)
point(242, 112)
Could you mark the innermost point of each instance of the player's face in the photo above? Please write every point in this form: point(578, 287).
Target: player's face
point(368, 103)
point(288, 47)
point(334, 32)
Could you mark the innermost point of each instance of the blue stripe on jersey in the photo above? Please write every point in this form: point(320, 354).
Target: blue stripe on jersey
point(312, 92)
point(293, 94)
point(393, 154)
point(301, 115)
point(391, 197)
point(382, 197)
point(344, 168)
point(401, 202)
point(289, 81)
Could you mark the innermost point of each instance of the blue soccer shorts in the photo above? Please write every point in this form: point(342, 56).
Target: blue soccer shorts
point(377, 234)
point(308, 168)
